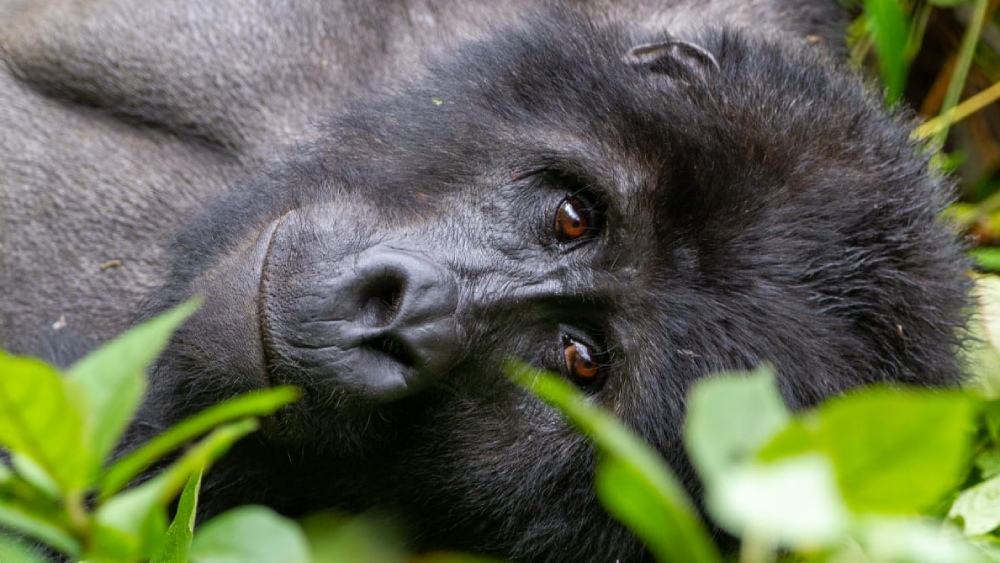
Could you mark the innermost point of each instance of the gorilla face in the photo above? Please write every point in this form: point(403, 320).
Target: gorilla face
point(633, 218)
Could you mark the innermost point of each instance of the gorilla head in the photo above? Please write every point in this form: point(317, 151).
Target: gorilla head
point(631, 210)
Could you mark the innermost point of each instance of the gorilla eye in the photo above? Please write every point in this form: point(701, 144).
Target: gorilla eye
point(573, 219)
point(582, 364)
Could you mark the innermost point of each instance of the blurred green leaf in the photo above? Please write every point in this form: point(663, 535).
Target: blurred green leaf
point(729, 417)
point(257, 403)
point(33, 474)
point(177, 541)
point(626, 495)
point(990, 413)
point(948, 3)
point(680, 534)
point(450, 558)
point(41, 421)
point(250, 534)
point(334, 537)
point(988, 294)
point(112, 381)
point(981, 355)
point(896, 451)
point(798, 437)
point(23, 520)
point(987, 258)
point(978, 507)
point(890, 29)
point(13, 550)
point(988, 463)
point(792, 502)
point(914, 540)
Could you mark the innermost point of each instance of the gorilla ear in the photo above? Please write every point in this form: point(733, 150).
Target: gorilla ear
point(681, 60)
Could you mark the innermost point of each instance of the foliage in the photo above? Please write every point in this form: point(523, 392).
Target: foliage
point(846, 481)
point(59, 486)
point(881, 474)
point(934, 53)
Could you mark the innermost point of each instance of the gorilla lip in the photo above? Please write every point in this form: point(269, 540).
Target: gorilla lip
point(266, 338)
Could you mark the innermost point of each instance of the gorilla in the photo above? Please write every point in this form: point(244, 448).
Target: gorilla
point(382, 201)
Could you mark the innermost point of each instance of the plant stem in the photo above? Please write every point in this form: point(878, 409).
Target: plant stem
point(962, 65)
point(959, 112)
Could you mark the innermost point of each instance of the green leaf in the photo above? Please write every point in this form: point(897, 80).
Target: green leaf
point(625, 493)
point(177, 542)
point(991, 419)
point(792, 502)
point(257, 403)
point(982, 354)
point(250, 534)
point(132, 524)
point(988, 463)
point(798, 437)
point(914, 541)
point(680, 536)
point(444, 557)
point(13, 550)
point(112, 380)
point(35, 476)
point(947, 3)
point(978, 507)
point(203, 454)
point(987, 258)
point(895, 451)
point(22, 520)
point(988, 297)
point(39, 420)
point(729, 417)
point(6, 475)
point(890, 29)
point(334, 537)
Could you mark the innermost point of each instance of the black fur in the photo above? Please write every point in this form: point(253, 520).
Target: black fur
point(752, 202)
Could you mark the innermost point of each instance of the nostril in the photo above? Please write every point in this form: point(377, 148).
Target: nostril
point(381, 299)
point(391, 347)
point(382, 323)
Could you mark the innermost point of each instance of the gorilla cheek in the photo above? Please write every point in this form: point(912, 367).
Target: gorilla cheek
point(375, 323)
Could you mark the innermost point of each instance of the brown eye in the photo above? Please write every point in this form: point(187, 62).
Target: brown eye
point(580, 363)
point(572, 220)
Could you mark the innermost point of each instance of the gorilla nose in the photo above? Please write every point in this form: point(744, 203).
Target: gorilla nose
point(404, 309)
point(381, 323)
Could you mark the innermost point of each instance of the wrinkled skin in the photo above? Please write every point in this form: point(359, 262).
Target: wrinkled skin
point(745, 200)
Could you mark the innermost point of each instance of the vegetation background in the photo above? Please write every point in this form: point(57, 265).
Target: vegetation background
point(880, 475)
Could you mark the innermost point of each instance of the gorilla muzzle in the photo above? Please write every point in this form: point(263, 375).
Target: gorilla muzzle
point(380, 322)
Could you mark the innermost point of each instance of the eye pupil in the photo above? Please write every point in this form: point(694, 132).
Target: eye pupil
point(572, 220)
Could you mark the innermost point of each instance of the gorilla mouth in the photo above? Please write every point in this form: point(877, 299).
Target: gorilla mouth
point(267, 342)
